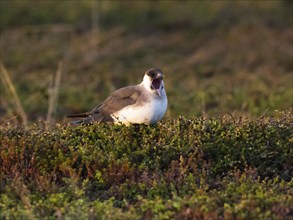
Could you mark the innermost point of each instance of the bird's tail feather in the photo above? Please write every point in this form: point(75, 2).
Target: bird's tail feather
point(84, 121)
point(81, 115)
point(77, 122)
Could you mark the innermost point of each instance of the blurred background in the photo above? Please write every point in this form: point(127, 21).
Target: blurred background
point(61, 57)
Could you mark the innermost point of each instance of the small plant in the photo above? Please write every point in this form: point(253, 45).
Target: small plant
point(182, 168)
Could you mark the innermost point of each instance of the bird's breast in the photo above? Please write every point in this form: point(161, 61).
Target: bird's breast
point(146, 113)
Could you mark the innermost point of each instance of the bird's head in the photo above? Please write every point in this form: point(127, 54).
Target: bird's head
point(153, 80)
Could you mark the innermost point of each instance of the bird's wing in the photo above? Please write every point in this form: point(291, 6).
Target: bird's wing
point(120, 99)
point(115, 102)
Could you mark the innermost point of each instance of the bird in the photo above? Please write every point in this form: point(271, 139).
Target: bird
point(144, 103)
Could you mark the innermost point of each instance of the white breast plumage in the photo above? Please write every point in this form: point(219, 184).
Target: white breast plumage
point(148, 113)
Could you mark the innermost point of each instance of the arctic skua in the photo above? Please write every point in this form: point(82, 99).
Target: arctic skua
point(144, 103)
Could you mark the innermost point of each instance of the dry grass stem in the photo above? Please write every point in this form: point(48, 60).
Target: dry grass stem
point(15, 98)
point(53, 94)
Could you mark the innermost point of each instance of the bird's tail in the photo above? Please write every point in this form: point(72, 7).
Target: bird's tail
point(80, 121)
point(77, 122)
point(85, 119)
point(81, 115)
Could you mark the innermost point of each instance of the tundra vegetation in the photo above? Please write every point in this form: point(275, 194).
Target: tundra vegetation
point(224, 149)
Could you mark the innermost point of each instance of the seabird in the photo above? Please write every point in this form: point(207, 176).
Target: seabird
point(144, 103)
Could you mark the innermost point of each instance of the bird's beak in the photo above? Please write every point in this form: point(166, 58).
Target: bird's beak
point(158, 91)
point(157, 84)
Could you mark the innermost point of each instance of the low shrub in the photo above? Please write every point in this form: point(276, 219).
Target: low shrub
point(184, 168)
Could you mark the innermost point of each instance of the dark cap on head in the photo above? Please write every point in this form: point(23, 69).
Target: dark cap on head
point(154, 72)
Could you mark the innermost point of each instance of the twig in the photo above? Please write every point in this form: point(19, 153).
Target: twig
point(53, 94)
point(265, 112)
point(13, 93)
point(95, 13)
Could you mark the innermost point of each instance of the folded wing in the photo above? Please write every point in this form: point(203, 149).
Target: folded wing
point(115, 102)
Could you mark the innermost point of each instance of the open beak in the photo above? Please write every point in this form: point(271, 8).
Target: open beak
point(157, 85)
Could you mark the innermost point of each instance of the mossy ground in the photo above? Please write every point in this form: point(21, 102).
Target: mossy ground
point(186, 168)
